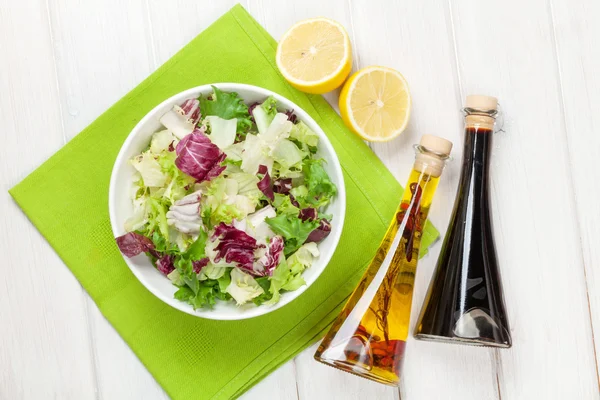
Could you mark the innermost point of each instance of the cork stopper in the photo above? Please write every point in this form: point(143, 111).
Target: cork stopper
point(481, 102)
point(436, 144)
point(484, 116)
point(432, 153)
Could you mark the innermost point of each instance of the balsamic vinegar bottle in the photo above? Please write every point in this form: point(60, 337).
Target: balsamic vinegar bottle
point(369, 335)
point(465, 303)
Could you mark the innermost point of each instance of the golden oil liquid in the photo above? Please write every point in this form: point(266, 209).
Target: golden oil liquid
point(369, 335)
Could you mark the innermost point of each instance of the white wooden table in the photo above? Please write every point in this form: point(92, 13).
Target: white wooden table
point(63, 62)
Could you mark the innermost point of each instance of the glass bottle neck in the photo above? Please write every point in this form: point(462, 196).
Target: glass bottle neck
point(428, 162)
point(476, 118)
point(479, 129)
point(476, 158)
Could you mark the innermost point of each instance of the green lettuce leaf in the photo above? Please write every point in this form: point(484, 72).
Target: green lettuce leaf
point(212, 271)
point(265, 284)
point(255, 154)
point(184, 261)
point(303, 258)
point(293, 229)
point(157, 219)
point(149, 169)
point(229, 198)
point(184, 293)
point(300, 192)
point(227, 106)
point(283, 205)
point(303, 134)
point(270, 106)
point(205, 296)
point(247, 185)
point(288, 274)
point(283, 279)
point(162, 140)
point(197, 249)
point(320, 188)
point(224, 281)
point(243, 287)
point(293, 283)
point(288, 159)
point(199, 292)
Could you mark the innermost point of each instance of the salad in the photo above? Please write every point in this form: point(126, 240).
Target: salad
point(229, 200)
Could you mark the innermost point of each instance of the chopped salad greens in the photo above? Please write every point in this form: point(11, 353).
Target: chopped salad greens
point(228, 200)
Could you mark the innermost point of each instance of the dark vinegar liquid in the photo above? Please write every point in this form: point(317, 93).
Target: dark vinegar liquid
point(465, 302)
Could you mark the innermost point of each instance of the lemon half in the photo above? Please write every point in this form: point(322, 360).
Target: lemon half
point(375, 103)
point(315, 55)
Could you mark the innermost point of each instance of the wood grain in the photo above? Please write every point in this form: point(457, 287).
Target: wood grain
point(539, 57)
point(578, 57)
point(94, 62)
point(536, 226)
point(43, 327)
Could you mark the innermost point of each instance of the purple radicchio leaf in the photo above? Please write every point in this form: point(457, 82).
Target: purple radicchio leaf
point(320, 232)
point(308, 214)
point(131, 244)
point(265, 183)
point(234, 246)
point(199, 264)
point(251, 108)
point(282, 185)
point(198, 157)
point(270, 260)
point(190, 109)
point(165, 264)
point(294, 201)
point(181, 120)
point(291, 116)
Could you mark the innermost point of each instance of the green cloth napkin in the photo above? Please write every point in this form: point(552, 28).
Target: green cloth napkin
point(66, 199)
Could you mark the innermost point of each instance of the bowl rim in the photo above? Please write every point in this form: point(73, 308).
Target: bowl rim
point(303, 116)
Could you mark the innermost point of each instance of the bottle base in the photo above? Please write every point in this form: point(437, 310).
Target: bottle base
point(356, 370)
point(461, 340)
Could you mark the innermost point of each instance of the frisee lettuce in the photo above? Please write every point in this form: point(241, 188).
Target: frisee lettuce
point(320, 188)
point(303, 134)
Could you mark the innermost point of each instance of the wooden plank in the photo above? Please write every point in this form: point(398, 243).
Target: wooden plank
point(44, 349)
point(416, 39)
point(576, 33)
point(280, 384)
point(175, 23)
point(102, 52)
point(536, 229)
point(313, 379)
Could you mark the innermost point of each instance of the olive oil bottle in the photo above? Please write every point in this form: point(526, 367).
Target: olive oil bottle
point(369, 335)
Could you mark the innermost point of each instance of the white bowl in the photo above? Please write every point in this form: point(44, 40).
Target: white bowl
point(120, 205)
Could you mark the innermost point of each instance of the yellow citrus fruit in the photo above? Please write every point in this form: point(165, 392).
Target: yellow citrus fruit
point(375, 103)
point(315, 55)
